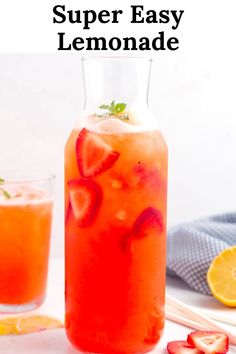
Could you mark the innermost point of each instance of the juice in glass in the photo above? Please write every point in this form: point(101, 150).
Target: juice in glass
point(115, 229)
point(25, 225)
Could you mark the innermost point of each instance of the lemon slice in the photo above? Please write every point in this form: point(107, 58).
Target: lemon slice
point(27, 324)
point(221, 277)
point(8, 326)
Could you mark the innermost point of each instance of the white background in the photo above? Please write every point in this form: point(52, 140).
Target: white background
point(192, 94)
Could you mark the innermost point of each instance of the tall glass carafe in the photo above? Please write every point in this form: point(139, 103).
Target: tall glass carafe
point(115, 213)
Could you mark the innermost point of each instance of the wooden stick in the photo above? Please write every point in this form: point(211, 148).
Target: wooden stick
point(197, 317)
point(219, 317)
point(184, 321)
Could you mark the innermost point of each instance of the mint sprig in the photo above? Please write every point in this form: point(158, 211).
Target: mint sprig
point(114, 108)
point(6, 194)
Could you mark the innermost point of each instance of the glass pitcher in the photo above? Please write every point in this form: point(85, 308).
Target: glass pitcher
point(115, 213)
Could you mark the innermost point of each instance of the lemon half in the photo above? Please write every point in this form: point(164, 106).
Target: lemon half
point(221, 277)
point(27, 324)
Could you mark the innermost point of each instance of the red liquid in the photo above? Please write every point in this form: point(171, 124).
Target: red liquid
point(115, 261)
point(24, 238)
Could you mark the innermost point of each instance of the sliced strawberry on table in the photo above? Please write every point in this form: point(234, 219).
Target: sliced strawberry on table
point(85, 199)
point(93, 154)
point(210, 342)
point(182, 347)
point(150, 218)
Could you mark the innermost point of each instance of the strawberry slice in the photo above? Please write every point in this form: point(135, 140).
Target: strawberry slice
point(182, 347)
point(150, 218)
point(94, 156)
point(85, 198)
point(210, 342)
point(150, 177)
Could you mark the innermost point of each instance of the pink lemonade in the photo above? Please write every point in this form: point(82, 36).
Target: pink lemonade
point(25, 224)
point(115, 228)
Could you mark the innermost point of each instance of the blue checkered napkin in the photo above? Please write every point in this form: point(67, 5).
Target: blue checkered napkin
point(191, 247)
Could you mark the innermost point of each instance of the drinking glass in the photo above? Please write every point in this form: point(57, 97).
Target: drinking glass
point(25, 227)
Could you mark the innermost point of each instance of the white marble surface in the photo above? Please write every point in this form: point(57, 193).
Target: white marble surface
point(207, 304)
point(55, 341)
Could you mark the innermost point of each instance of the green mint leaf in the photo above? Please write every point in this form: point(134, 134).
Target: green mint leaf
point(104, 106)
point(112, 109)
point(120, 107)
point(6, 194)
